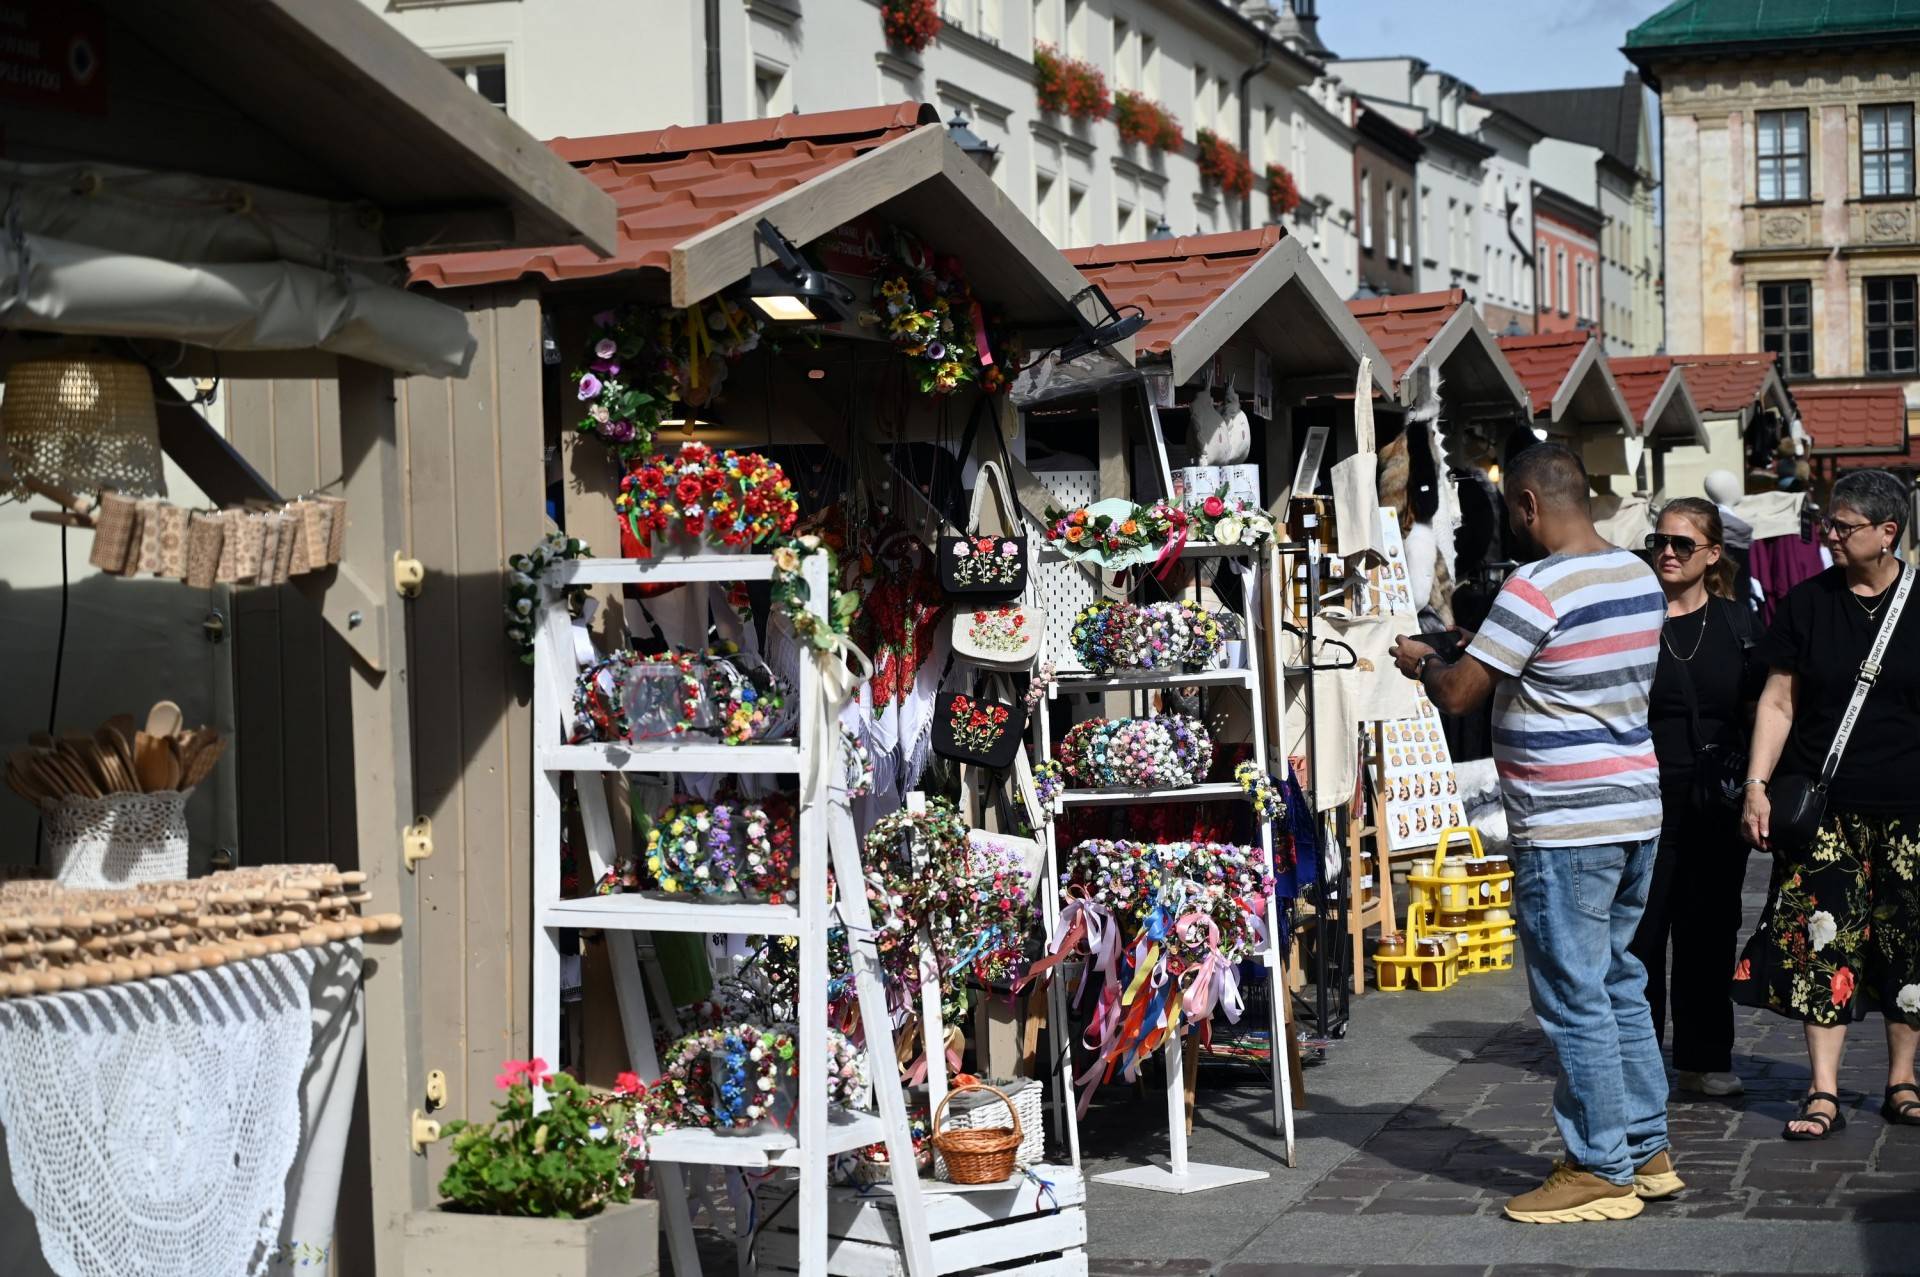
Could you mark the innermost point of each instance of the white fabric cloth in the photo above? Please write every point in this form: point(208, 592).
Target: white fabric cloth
point(155, 1128)
point(1772, 514)
point(1422, 550)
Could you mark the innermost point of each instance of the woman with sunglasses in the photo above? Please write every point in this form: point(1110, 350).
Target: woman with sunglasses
point(1702, 687)
point(1841, 930)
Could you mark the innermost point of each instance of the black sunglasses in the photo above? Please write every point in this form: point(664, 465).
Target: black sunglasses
point(1683, 547)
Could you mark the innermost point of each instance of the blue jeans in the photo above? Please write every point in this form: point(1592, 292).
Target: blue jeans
point(1577, 910)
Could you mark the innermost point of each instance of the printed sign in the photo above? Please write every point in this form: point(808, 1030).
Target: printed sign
point(53, 56)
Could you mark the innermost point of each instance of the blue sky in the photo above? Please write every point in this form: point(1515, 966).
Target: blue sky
point(1499, 46)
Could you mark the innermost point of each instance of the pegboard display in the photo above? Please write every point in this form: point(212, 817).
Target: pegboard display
point(1064, 588)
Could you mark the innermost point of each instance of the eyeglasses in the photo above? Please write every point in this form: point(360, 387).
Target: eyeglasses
point(1840, 527)
point(1682, 547)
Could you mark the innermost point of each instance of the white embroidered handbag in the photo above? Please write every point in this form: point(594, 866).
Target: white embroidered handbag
point(1005, 635)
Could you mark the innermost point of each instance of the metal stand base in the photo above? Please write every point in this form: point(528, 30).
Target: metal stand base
point(1198, 1178)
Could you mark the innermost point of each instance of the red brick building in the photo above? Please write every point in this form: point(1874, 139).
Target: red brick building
point(1566, 262)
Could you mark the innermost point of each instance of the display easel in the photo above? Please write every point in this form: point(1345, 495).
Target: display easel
point(825, 830)
point(1180, 1175)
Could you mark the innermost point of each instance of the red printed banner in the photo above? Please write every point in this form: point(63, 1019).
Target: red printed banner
point(53, 56)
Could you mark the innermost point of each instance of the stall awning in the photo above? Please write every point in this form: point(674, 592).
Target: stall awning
point(1569, 382)
point(1200, 291)
point(1442, 331)
point(1735, 385)
point(1859, 421)
point(689, 199)
point(1657, 394)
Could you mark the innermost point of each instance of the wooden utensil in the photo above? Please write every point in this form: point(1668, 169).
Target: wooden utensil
point(123, 724)
point(163, 719)
point(82, 760)
point(154, 762)
point(203, 760)
point(118, 753)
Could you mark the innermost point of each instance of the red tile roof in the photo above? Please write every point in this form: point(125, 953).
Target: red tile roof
point(1853, 419)
point(668, 185)
point(1403, 326)
point(1542, 363)
point(1908, 460)
point(1724, 383)
point(1172, 280)
point(1640, 378)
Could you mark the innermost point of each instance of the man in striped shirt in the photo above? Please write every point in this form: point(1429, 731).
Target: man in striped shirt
point(1568, 654)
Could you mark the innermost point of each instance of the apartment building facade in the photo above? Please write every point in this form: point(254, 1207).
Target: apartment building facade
point(1386, 160)
point(1506, 216)
point(580, 67)
point(1792, 219)
point(1567, 264)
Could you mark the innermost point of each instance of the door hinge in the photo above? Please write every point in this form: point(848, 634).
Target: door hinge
point(416, 842)
point(408, 575)
point(425, 1131)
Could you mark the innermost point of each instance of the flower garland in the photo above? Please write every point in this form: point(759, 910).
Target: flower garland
point(645, 359)
point(768, 855)
point(627, 696)
point(791, 594)
point(1171, 634)
point(523, 587)
point(1223, 164)
point(735, 500)
point(1049, 781)
point(920, 320)
point(859, 763)
point(1141, 119)
point(1068, 86)
point(1082, 531)
point(746, 708)
point(753, 1072)
point(910, 24)
point(678, 855)
point(1168, 751)
point(1267, 802)
point(736, 1077)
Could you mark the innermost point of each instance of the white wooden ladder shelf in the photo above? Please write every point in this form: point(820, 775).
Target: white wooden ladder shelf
point(825, 829)
point(1179, 1175)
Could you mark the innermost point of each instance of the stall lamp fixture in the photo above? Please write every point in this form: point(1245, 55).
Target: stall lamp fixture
point(1114, 327)
point(789, 291)
point(981, 151)
point(1163, 231)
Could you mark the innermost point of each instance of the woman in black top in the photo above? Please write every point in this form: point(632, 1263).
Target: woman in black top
point(1706, 678)
point(1841, 931)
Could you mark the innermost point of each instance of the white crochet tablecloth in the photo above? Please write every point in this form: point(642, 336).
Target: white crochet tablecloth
point(185, 1126)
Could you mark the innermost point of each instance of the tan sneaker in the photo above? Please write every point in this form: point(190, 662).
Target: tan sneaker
point(1655, 1177)
point(1573, 1196)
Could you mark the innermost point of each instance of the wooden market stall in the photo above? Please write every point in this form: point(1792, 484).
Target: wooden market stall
point(1741, 400)
point(1440, 346)
point(1576, 401)
point(223, 196)
point(1656, 390)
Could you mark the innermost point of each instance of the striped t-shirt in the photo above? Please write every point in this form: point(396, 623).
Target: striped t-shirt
point(1579, 636)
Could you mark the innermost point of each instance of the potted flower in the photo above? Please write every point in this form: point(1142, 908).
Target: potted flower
point(538, 1194)
point(1222, 164)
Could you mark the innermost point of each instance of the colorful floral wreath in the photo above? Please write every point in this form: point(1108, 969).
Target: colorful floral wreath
point(1167, 635)
point(929, 313)
point(1166, 751)
point(1230, 520)
point(767, 864)
point(645, 359)
point(679, 855)
point(735, 500)
point(746, 709)
point(1267, 801)
point(523, 587)
point(1049, 781)
point(1084, 532)
point(738, 1076)
point(791, 593)
point(753, 1071)
point(859, 763)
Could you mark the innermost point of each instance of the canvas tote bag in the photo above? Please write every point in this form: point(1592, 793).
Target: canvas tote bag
point(1356, 492)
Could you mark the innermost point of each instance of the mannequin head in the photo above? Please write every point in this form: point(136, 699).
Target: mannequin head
point(1723, 487)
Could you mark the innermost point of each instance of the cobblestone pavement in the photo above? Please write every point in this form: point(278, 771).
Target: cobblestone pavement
point(1436, 1108)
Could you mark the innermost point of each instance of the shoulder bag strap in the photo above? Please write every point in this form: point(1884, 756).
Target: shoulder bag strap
point(1869, 673)
point(991, 476)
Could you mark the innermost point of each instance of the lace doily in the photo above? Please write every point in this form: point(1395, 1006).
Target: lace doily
point(118, 840)
point(150, 1126)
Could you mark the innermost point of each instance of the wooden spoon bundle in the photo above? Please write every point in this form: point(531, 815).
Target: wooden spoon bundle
point(54, 938)
point(115, 758)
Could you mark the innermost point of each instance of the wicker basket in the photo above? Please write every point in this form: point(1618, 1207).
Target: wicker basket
point(983, 1155)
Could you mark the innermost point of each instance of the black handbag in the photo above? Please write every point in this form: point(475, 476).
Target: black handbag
point(983, 730)
point(986, 565)
point(1799, 803)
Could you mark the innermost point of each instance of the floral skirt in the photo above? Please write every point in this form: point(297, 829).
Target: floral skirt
point(1841, 932)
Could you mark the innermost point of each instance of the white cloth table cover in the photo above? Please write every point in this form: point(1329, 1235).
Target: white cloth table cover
point(185, 1126)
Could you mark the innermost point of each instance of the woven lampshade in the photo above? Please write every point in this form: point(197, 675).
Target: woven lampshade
point(83, 422)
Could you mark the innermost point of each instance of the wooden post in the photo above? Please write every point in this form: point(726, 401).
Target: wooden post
point(383, 806)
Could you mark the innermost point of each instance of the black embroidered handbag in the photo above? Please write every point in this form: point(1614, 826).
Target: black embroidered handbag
point(986, 565)
point(981, 730)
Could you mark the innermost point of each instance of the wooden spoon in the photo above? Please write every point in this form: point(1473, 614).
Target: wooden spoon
point(123, 724)
point(163, 719)
point(119, 754)
point(154, 762)
point(203, 760)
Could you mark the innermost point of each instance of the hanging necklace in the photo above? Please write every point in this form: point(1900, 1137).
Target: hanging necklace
point(1701, 638)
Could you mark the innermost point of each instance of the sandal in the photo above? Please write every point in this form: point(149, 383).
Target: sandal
point(1906, 1112)
point(1828, 1125)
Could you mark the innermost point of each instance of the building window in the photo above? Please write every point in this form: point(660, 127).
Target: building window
point(1202, 98)
point(1124, 76)
point(1076, 28)
point(1366, 211)
point(485, 76)
point(1043, 28)
point(1542, 261)
point(1560, 286)
point(1044, 208)
point(1149, 66)
point(1786, 325)
point(770, 90)
point(1782, 152)
point(1079, 216)
point(1886, 150)
point(1406, 232)
point(1890, 324)
point(1393, 224)
point(1124, 229)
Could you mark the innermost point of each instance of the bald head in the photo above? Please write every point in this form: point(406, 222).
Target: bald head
point(1553, 475)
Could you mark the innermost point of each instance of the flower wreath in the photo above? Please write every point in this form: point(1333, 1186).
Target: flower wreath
point(678, 853)
point(731, 499)
point(859, 763)
point(523, 587)
point(791, 594)
point(1112, 636)
point(767, 851)
point(929, 313)
point(753, 1073)
point(746, 710)
point(644, 359)
point(1267, 802)
point(1166, 751)
point(1230, 520)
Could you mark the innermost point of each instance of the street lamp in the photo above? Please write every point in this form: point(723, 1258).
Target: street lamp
point(983, 152)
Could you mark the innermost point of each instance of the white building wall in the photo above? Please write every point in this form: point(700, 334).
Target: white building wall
point(583, 67)
point(1506, 279)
